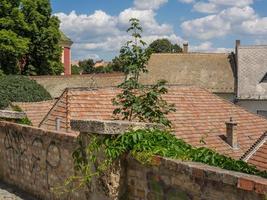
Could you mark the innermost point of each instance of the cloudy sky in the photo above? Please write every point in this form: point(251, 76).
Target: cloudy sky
point(97, 27)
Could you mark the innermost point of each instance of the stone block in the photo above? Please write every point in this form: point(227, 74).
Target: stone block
point(245, 184)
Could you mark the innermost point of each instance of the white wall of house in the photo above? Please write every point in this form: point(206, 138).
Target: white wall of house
point(254, 106)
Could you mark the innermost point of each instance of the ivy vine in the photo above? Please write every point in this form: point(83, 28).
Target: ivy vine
point(144, 145)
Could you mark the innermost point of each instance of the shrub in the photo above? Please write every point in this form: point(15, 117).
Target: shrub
point(20, 89)
point(75, 70)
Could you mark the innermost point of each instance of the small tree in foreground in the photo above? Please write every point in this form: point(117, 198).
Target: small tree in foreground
point(137, 101)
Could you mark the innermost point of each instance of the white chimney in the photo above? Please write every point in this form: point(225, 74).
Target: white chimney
point(185, 48)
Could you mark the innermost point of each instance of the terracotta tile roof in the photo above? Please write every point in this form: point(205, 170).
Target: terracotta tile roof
point(259, 158)
point(36, 111)
point(200, 115)
point(80, 104)
point(213, 71)
point(257, 154)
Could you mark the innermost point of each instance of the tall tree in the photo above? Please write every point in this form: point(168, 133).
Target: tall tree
point(29, 38)
point(13, 46)
point(44, 51)
point(164, 46)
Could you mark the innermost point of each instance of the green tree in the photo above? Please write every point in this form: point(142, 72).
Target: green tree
point(12, 50)
point(29, 38)
point(117, 64)
point(164, 46)
point(136, 101)
point(44, 49)
point(13, 46)
point(87, 66)
point(75, 69)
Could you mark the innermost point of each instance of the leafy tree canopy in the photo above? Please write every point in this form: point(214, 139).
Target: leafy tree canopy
point(87, 66)
point(164, 46)
point(29, 38)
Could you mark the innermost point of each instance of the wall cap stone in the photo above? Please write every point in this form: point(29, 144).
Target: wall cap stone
point(214, 174)
point(7, 114)
point(108, 127)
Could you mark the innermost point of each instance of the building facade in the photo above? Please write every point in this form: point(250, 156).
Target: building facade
point(66, 53)
point(251, 64)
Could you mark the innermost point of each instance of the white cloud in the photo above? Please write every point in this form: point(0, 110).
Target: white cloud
point(148, 4)
point(186, 1)
point(208, 47)
point(228, 21)
point(101, 32)
point(204, 7)
point(255, 27)
point(237, 3)
point(148, 21)
point(214, 6)
point(81, 27)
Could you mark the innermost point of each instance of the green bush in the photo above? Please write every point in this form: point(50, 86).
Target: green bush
point(20, 89)
point(75, 70)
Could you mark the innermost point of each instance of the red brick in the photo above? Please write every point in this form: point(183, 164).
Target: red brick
point(245, 184)
point(261, 188)
point(198, 173)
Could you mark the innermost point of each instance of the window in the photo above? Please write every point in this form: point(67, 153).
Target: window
point(262, 112)
point(264, 79)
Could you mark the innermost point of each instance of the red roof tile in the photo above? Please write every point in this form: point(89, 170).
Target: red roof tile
point(257, 154)
point(200, 115)
point(36, 111)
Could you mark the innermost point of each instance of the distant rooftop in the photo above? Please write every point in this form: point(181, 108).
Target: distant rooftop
point(212, 71)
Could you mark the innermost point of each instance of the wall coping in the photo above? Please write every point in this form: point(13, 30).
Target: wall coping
point(8, 114)
point(109, 127)
point(31, 130)
point(213, 174)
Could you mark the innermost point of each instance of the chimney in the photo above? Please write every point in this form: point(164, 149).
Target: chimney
point(231, 134)
point(237, 43)
point(185, 49)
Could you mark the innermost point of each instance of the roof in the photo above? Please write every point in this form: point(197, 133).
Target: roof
point(252, 69)
point(212, 71)
point(65, 40)
point(36, 111)
point(200, 115)
point(257, 154)
point(80, 104)
point(56, 85)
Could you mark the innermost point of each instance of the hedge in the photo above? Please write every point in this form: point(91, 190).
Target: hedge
point(20, 89)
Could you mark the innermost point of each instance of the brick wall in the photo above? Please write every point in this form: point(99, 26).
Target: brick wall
point(170, 179)
point(35, 160)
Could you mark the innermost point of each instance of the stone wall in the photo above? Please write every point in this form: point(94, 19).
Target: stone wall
point(172, 179)
point(36, 161)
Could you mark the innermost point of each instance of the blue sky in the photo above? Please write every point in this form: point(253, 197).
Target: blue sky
point(97, 27)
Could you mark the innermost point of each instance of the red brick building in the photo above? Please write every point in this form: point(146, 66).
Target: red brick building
point(66, 53)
